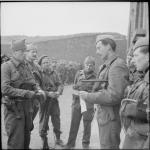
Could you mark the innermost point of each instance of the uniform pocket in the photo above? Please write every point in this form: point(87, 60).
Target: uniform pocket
point(105, 114)
point(15, 75)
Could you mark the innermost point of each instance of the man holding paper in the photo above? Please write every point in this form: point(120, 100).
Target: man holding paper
point(108, 96)
point(80, 107)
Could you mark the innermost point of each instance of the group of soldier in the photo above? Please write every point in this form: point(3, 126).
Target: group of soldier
point(66, 70)
point(30, 87)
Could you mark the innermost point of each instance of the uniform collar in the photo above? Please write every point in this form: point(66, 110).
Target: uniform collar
point(108, 62)
point(47, 71)
point(146, 77)
point(16, 62)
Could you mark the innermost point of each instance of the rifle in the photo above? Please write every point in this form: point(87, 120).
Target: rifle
point(37, 77)
point(98, 84)
point(95, 80)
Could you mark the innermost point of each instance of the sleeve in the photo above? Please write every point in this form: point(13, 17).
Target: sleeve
point(75, 86)
point(59, 84)
point(146, 101)
point(6, 87)
point(118, 81)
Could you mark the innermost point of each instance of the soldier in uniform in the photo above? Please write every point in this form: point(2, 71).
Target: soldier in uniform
point(18, 97)
point(135, 107)
point(51, 84)
point(108, 95)
point(87, 73)
point(134, 75)
point(31, 56)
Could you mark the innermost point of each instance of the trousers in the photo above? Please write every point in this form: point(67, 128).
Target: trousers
point(75, 123)
point(47, 109)
point(18, 130)
point(109, 135)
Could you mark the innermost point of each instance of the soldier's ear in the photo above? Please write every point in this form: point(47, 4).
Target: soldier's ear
point(147, 58)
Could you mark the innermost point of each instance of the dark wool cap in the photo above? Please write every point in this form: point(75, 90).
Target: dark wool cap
point(143, 41)
point(18, 45)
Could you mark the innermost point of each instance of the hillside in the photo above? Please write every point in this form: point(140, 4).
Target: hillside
point(71, 47)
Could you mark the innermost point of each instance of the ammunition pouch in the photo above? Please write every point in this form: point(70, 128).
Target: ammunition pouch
point(32, 87)
point(128, 106)
point(11, 106)
point(27, 86)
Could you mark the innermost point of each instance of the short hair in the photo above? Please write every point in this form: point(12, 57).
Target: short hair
point(89, 59)
point(109, 41)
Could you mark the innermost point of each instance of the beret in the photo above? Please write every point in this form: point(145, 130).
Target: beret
point(143, 41)
point(18, 45)
point(105, 36)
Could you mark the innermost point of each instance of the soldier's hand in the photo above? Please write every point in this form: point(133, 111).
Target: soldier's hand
point(40, 95)
point(53, 94)
point(29, 94)
point(83, 94)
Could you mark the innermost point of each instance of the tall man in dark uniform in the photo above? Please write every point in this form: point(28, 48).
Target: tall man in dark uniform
point(31, 56)
point(86, 74)
point(108, 96)
point(53, 87)
point(135, 107)
point(18, 98)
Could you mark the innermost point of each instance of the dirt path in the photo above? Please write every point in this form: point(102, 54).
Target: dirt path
point(65, 107)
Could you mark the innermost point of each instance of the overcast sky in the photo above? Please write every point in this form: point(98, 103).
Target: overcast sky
point(63, 18)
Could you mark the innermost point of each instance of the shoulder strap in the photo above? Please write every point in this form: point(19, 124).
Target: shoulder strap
point(108, 67)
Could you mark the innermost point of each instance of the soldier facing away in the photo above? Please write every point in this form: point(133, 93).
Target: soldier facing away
point(108, 96)
point(135, 107)
point(19, 89)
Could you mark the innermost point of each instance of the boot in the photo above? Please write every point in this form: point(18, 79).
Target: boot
point(59, 142)
point(44, 143)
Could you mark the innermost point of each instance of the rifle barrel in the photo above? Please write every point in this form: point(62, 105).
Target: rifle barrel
point(94, 80)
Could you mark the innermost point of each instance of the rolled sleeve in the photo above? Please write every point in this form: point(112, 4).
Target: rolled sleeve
point(118, 81)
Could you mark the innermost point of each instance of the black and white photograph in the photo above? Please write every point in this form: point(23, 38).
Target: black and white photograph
point(74, 75)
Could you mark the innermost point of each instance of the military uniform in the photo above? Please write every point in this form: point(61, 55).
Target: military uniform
point(50, 82)
point(76, 109)
point(14, 74)
point(108, 97)
point(35, 68)
point(137, 128)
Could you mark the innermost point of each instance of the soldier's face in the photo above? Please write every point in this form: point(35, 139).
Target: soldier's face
point(140, 60)
point(88, 67)
point(45, 63)
point(32, 54)
point(19, 55)
point(102, 50)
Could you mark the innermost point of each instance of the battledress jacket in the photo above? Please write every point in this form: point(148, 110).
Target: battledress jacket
point(12, 76)
point(139, 92)
point(109, 99)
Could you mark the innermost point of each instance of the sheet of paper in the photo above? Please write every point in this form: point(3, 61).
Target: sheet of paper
point(83, 105)
point(82, 102)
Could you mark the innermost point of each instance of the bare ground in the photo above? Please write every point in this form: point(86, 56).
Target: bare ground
point(65, 107)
